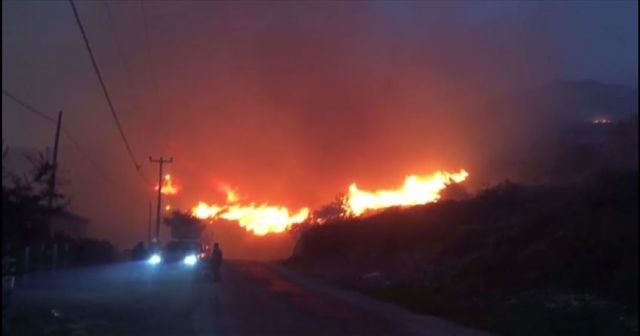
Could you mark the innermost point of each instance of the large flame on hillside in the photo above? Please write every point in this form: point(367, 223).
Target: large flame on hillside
point(263, 219)
point(416, 190)
point(259, 219)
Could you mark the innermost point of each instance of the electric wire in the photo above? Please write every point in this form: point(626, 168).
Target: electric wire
point(137, 166)
point(125, 64)
point(65, 132)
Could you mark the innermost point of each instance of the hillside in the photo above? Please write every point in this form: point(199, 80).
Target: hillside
point(546, 134)
point(513, 259)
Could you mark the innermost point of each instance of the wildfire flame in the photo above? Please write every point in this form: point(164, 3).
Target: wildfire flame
point(232, 195)
point(259, 219)
point(416, 190)
point(204, 211)
point(263, 219)
point(167, 186)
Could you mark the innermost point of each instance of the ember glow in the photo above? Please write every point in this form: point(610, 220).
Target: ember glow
point(167, 186)
point(416, 190)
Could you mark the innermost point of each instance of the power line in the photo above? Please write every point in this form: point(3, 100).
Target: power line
point(65, 132)
point(28, 107)
point(105, 92)
point(125, 65)
point(86, 154)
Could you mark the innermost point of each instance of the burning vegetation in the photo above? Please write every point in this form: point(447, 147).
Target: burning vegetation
point(562, 253)
point(259, 219)
point(416, 190)
point(264, 218)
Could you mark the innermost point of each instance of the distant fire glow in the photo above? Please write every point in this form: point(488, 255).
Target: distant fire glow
point(600, 121)
point(264, 219)
point(416, 190)
point(167, 186)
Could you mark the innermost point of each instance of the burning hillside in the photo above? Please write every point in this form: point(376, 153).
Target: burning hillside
point(259, 219)
point(416, 190)
point(265, 218)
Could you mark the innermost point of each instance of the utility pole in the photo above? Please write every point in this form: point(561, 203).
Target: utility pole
point(161, 161)
point(52, 182)
point(149, 226)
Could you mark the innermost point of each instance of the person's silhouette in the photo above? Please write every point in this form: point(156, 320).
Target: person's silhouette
point(216, 261)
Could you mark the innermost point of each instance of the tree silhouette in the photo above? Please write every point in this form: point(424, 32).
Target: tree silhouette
point(184, 226)
point(25, 212)
point(335, 210)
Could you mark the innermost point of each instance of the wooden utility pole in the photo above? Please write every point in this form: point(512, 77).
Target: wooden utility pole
point(149, 226)
point(161, 161)
point(52, 182)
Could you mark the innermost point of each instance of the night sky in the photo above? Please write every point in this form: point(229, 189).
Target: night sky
point(289, 102)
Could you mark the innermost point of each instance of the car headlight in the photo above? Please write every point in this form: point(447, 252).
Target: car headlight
point(190, 260)
point(155, 259)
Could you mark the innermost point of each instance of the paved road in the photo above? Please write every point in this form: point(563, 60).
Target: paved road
point(252, 299)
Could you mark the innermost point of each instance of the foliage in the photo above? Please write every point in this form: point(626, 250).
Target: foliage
point(557, 241)
point(25, 209)
point(184, 225)
point(329, 213)
point(335, 210)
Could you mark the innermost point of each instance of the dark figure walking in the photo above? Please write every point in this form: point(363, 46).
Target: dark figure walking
point(216, 261)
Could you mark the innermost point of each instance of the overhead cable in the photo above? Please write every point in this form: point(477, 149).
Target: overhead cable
point(105, 91)
point(65, 132)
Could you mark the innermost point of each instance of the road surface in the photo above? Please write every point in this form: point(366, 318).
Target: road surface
point(252, 299)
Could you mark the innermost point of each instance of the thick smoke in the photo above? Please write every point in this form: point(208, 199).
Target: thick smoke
point(291, 102)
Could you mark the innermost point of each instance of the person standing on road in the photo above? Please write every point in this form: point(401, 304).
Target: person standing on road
point(8, 279)
point(216, 261)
